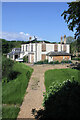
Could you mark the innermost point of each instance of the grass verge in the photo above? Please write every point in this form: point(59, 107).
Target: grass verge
point(60, 75)
point(10, 112)
point(13, 92)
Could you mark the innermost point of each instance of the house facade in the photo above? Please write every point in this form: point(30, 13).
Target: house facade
point(40, 51)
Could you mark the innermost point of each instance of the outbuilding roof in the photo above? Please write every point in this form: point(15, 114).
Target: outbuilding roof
point(14, 52)
point(58, 53)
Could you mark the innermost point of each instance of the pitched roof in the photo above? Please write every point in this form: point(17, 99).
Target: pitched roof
point(58, 53)
point(14, 52)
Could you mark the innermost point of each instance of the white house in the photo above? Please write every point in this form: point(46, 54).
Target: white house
point(40, 51)
point(37, 51)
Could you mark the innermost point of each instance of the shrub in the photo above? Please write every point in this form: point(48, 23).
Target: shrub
point(39, 62)
point(25, 59)
point(8, 73)
point(45, 61)
point(12, 75)
point(62, 101)
point(66, 61)
point(7, 66)
point(51, 62)
point(54, 62)
point(42, 62)
point(75, 58)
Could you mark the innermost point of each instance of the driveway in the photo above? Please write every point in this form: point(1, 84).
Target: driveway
point(34, 93)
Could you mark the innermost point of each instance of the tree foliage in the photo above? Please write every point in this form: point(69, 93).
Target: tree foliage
point(69, 39)
point(8, 73)
point(72, 17)
point(7, 46)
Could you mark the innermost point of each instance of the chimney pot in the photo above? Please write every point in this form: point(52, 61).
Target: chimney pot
point(64, 39)
point(30, 38)
point(64, 36)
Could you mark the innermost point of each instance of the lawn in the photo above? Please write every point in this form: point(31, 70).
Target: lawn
point(10, 112)
point(60, 75)
point(13, 92)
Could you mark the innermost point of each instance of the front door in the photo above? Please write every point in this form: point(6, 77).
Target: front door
point(43, 57)
point(32, 58)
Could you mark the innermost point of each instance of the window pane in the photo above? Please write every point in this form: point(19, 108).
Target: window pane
point(26, 47)
point(32, 48)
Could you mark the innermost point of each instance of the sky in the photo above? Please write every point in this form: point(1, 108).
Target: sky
point(20, 20)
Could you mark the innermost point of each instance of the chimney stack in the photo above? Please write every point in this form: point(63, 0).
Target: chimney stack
point(64, 39)
point(30, 38)
point(61, 39)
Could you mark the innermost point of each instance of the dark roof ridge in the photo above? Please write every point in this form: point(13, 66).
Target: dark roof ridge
point(53, 53)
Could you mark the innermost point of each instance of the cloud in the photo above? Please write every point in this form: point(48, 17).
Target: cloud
point(17, 36)
point(27, 34)
point(14, 36)
point(22, 33)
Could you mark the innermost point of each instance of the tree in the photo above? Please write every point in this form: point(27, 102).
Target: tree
point(70, 39)
point(72, 17)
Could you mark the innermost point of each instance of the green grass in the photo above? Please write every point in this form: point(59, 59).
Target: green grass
point(0, 100)
point(13, 92)
point(10, 112)
point(60, 75)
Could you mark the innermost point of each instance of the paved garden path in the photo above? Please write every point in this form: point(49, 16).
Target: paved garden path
point(34, 93)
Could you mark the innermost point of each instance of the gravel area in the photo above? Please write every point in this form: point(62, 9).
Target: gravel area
point(34, 93)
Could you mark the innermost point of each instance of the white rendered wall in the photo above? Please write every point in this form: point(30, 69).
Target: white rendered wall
point(50, 59)
point(59, 47)
point(68, 49)
point(49, 47)
point(39, 50)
